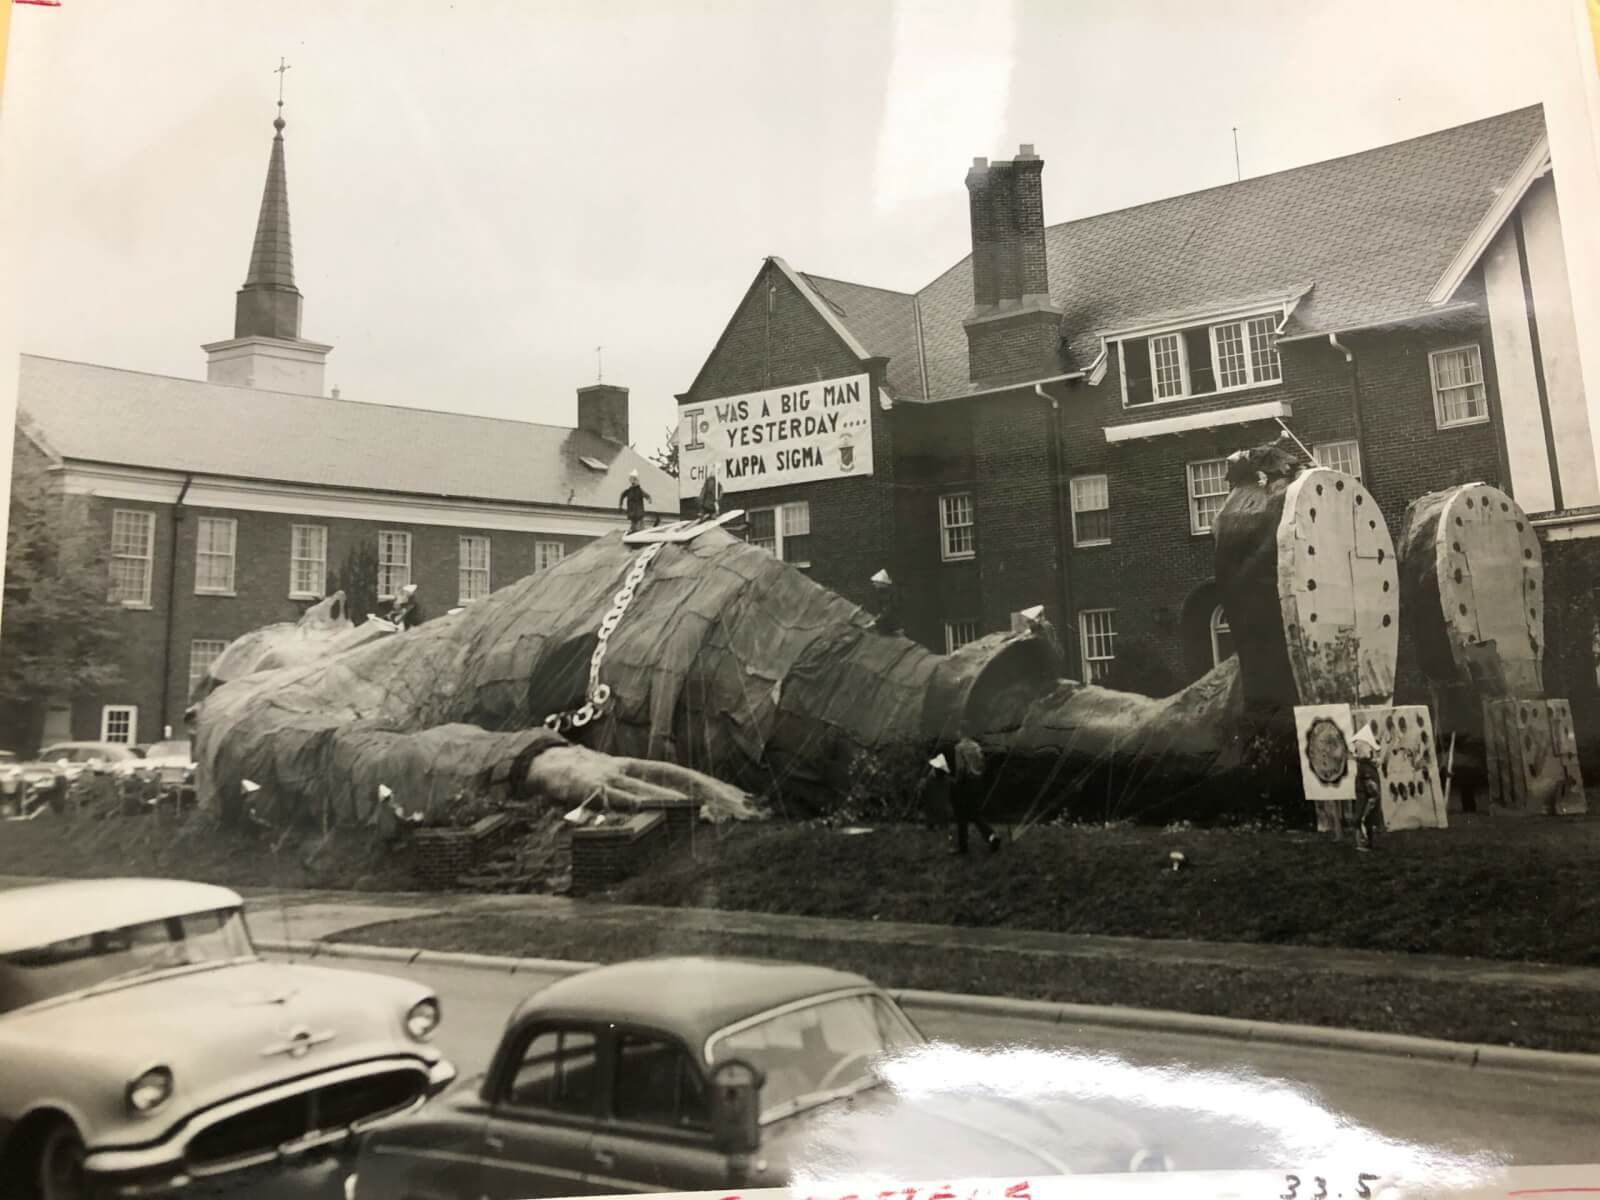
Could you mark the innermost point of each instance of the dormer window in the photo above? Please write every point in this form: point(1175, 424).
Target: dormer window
point(1199, 360)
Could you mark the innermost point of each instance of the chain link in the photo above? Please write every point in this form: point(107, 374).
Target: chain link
point(599, 694)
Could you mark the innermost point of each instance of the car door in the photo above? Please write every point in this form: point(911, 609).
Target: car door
point(543, 1116)
point(656, 1135)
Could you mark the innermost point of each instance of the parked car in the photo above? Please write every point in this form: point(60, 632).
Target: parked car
point(147, 1046)
point(171, 763)
point(683, 1074)
point(26, 789)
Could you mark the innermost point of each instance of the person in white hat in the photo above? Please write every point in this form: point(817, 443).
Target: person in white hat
point(1369, 788)
point(888, 618)
point(934, 793)
point(633, 501)
point(405, 612)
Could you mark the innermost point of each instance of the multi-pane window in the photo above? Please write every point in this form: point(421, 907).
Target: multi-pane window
point(958, 633)
point(1221, 637)
point(1167, 366)
point(202, 653)
point(1246, 352)
point(308, 561)
point(785, 530)
point(1091, 511)
point(957, 536)
point(474, 572)
point(133, 537)
point(1208, 489)
point(214, 545)
point(1097, 633)
point(1459, 397)
point(394, 563)
point(548, 554)
point(1265, 365)
point(119, 723)
point(1232, 359)
point(1340, 456)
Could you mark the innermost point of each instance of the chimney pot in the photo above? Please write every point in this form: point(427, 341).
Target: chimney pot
point(980, 163)
point(1026, 151)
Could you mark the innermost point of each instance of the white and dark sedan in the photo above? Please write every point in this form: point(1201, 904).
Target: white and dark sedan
point(147, 1046)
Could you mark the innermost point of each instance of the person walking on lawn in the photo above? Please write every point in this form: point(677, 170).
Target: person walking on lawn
point(933, 793)
point(969, 793)
point(1369, 789)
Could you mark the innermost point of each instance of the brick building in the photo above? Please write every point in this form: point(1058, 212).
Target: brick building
point(232, 502)
point(1047, 419)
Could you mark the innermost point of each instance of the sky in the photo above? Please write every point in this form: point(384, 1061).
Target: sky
point(482, 192)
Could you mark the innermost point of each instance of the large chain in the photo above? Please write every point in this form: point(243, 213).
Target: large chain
point(600, 693)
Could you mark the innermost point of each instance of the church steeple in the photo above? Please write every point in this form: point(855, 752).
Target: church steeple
point(269, 303)
point(266, 350)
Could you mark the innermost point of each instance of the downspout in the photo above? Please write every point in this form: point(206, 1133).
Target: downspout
point(172, 605)
point(1355, 406)
point(1062, 521)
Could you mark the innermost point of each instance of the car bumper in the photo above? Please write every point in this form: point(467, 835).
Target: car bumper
point(165, 1168)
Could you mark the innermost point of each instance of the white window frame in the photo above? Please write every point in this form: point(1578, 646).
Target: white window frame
point(947, 527)
point(1195, 527)
point(1211, 325)
point(464, 571)
point(384, 568)
point(1100, 639)
point(194, 643)
point(953, 630)
point(1218, 626)
point(1105, 489)
point(201, 554)
point(131, 711)
point(1482, 384)
point(785, 521)
point(321, 561)
point(1321, 448)
point(547, 554)
point(147, 558)
point(1183, 393)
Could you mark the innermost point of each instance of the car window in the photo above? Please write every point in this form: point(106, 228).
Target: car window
point(656, 1082)
point(168, 750)
point(557, 1073)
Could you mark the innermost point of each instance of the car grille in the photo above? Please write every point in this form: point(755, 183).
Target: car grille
point(260, 1131)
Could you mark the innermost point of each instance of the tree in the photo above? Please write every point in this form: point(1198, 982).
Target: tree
point(61, 630)
point(358, 580)
point(667, 456)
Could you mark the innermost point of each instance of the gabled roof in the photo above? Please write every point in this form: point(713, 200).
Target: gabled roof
point(99, 414)
point(1371, 235)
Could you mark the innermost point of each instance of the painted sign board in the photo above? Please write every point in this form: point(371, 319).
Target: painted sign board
point(808, 433)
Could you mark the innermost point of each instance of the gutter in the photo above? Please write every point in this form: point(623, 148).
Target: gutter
point(1062, 519)
point(1011, 387)
point(1355, 406)
point(172, 604)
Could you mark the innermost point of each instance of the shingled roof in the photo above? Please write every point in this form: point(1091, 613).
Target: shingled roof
point(97, 414)
point(1363, 238)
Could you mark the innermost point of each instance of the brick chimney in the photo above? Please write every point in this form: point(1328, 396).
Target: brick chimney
point(603, 410)
point(1014, 330)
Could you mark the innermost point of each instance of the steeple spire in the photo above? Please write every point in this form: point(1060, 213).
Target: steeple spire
point(269, 303)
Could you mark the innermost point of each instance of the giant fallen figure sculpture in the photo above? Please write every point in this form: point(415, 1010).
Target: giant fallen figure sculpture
point(719, 662)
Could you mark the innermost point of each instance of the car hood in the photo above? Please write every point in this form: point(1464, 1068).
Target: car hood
point(222, 1030)
point(949, 1135)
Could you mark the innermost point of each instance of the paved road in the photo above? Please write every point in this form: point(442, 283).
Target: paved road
point(1532, 1119)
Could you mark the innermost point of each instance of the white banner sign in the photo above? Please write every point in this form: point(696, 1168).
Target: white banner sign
point(801, 434)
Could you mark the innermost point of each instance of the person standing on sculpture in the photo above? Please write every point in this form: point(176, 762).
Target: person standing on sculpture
point(969, 793)
point(710, 495)
point(633, 501)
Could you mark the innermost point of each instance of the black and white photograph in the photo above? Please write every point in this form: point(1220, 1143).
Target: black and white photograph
point(843, 598)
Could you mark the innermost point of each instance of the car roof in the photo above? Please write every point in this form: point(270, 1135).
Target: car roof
point(53, 912)
point(689, 997)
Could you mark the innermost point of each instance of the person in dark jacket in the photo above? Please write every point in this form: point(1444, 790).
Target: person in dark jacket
point(1369, 787)
point(934, 793)
point(633, 501)
point(969, 793)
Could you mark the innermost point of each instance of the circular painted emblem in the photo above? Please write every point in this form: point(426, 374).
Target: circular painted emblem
point(1327, 751)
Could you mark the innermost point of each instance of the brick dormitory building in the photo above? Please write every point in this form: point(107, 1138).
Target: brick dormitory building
point(1045, 422)
point(231, 503)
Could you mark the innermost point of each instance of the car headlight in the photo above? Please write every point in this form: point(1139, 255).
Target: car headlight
point(1149, 1160)
point(423, 1019)
point(151, 1090)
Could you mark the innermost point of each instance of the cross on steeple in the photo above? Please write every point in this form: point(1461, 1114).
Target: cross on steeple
point(599, 364)
point(279, 72)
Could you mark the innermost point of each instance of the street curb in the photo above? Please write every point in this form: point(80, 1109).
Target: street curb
point(1466, 1054)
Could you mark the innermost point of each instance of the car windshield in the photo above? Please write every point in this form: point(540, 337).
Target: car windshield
point(817, 1051)
point(168, 750)
point(108, 956)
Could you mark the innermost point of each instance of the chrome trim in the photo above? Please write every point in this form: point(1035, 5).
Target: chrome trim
point(170, 1154)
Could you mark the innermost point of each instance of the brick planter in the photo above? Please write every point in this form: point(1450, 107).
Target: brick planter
point(442, 856)
point(605, 855)
point(680, 815)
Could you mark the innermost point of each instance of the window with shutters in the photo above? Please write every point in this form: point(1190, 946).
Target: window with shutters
point(1091, 511)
